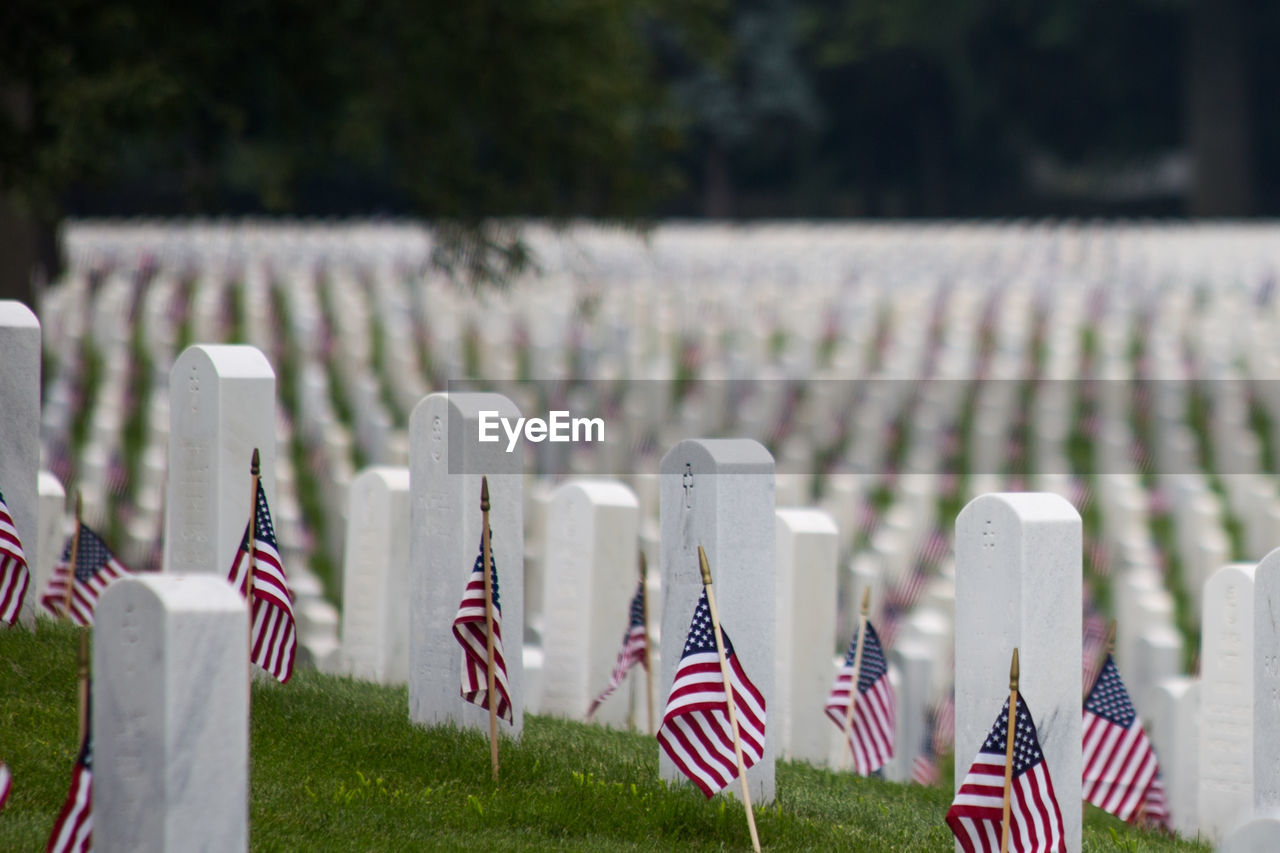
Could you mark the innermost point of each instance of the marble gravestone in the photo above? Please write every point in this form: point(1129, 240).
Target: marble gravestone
point(1171, 722)
point(590, 573)
point(170, 715)
point(719, 493)
point(375, 596)
point(446, 464)
point(915, 665)
point(1226, 700)
point(1266, 684)
point(222, 404)
point(1018, 584)
point(1259, 835)
point(51, 533)
point(20, 435)
point(807, 542)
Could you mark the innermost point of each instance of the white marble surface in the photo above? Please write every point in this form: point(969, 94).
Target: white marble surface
point(222, 404)
point(1259, 835)
point(590, 575)
point(1266, 684)
point(20, 433)
point(170, 715)
point(375, 598)
point(1018, 584)
point(1226, 701)
point(1171, 719)
point(446, 463)
point(719, 493)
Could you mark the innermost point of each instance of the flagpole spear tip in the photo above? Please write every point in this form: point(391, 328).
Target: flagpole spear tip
point(705, 566)
point(1013, 671)
point(484, 494)
point(866, 601)
point(1111, 638)
point(255, 466)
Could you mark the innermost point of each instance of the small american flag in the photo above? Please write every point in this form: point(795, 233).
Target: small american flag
point(871, 734)
point(632, 652)
point(274, 637)
point(14, 577)
point(1035, 821)
point(1119, 763)
point(73, 830)
point(469, 629)
point(6, 783)
point(95, 567)
point(695, 731)
point(924, 770)
point(1155, 809)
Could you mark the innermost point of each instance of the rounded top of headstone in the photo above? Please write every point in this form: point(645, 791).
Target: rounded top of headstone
point(719, 455)
point(1259, 835)
point(185, 593)
point(807, 520)
point(1024, 506)
point(236, 361)
point(1176, 685)
point(468, 404)
point(394, 477)
point(15, 314)
point(606, 492)
point(47, 483)
point(1268, 564)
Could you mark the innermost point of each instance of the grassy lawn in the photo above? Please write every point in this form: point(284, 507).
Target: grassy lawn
point(337, 766)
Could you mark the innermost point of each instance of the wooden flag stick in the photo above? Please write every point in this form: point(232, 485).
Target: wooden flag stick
point(486, 556)
point(71, 567)
point(82, 676)
point(728, 697)
point(648, 637)
point(1008, 750)
point(857, 673)
point(255, 474)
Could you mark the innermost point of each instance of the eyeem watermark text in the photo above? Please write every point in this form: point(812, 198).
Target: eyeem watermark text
point(558, 427)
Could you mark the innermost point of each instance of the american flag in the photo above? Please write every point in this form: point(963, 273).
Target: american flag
point(73, 830)
point(95, 567)
point(632, 652)
point(1035, 821)
point(273, 640)
point(695, 731)
point(6, 783)
point(872, 732)
point(14, 576)
point(1119, 763)
point(469, 629)
point(1155, 809)
point(924, 770)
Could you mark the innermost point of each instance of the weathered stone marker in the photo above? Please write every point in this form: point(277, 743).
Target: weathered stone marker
point(1260, 835)
point(590, 576)
point(1173, 708)
point(20, 434)
point(1018, 584)
point(170, 723)
point(1226, 700)
point(375, 597)
point(446, 463)
point(805, 633)
point(1266, 684)
point(222, 404)
point(718, 493)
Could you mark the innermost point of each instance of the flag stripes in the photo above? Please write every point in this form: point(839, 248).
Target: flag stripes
point(469, 630)
point(872, 730)
point(14, 575)
point(634, 646)
point(273, 637)
point(95, 568)
point(73, 830)
point(1119, 764)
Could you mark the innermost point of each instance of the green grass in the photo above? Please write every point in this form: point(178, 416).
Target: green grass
point(336, 765)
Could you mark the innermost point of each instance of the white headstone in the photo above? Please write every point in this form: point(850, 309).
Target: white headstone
point(1260, 835)
point(718, 493)
point(51, 533)
point(375, 597)
point(1018, 585)
point(222, 404)
point(170, 715)
point(1226, 700)
point(913, 693)
point(591, 572)
point(1266, 684)
point(1171, 719)
point(20, 433)
point(446, 464)
point(808, 543)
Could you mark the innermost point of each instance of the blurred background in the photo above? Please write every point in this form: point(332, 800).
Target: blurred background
point(628, 109)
